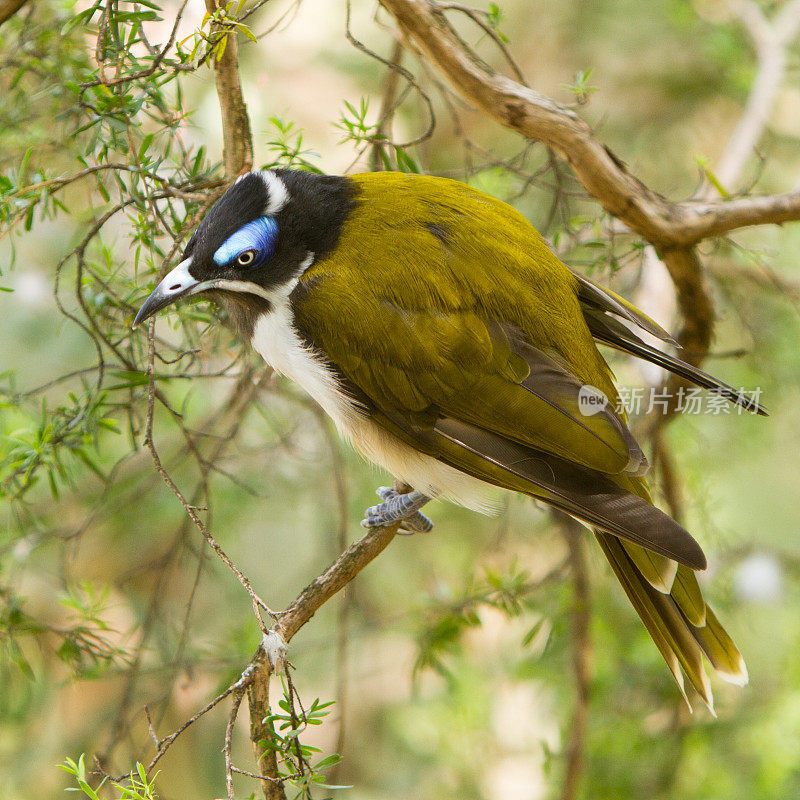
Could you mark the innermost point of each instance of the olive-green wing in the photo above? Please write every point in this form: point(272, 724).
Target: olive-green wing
point(461, 365)
point(437, 376)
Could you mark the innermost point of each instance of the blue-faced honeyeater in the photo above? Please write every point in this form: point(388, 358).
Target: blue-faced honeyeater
point(451, 347)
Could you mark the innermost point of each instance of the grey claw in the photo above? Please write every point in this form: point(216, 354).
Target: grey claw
point(418, 523)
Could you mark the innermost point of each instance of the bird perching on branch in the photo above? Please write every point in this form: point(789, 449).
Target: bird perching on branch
point(451, 347)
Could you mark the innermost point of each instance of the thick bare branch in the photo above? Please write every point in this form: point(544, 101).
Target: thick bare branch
point(10, 7)
point(693, 301)
point(261, 731)
point(533, 115)
point(602, 174)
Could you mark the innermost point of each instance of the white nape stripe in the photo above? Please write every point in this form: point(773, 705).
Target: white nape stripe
point(304, 265)
point(278, 193)
point(277, 341)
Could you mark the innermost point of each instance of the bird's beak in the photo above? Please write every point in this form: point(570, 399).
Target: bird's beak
point(176, 284)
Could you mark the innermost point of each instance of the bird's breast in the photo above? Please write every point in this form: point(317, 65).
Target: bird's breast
point(279, 344)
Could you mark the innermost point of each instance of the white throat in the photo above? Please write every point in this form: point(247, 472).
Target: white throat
point(276, 340)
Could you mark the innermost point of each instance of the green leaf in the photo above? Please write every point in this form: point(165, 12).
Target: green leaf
point(87, 790)
point(328, 761)
point(84, 457)
point(25, 159)
point(146, 142)
point(246, 31)
point(19, 659)
point(405, 162)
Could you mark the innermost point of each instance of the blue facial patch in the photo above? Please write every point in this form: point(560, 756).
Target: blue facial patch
point(260, 235)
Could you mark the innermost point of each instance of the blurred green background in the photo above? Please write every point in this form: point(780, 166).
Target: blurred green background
point(458, 683)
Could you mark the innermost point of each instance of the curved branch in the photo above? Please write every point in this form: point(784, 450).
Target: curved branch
point(535, 116)
point(10, 7)
point(603, 174)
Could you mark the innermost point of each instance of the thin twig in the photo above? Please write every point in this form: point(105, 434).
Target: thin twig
point(190, 509)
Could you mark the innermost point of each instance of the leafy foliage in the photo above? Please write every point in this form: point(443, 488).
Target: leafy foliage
point(109, 603)
point(138, 786)
point(300, 764)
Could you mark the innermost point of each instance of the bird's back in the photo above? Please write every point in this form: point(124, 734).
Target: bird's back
point(457, 247)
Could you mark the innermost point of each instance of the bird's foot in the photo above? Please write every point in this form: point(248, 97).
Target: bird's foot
point(395, 507)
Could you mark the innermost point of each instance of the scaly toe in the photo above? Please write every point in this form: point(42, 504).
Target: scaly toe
point(416, 523)
point(397, 507)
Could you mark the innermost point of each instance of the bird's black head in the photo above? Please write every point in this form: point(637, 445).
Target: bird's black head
point(266, 229)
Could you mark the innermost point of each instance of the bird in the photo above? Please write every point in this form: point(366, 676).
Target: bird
point(453, 348)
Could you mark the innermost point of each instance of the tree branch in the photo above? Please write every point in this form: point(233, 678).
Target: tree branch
point(702, 220)
point(694, 302)
point(335, 578)
point(539, 118)
point(237, 137)
point(262, 732)
point(581, 655)
point(10, 7)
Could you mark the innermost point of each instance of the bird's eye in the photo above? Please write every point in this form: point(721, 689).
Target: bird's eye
point(246, 259)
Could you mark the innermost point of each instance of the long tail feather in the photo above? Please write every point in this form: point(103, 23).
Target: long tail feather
point(659, 571)
point(721, 651)
point(663, 619)
point(680, 623)
point(686, 593)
